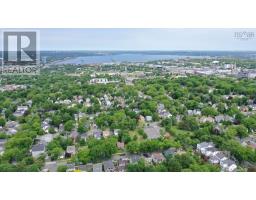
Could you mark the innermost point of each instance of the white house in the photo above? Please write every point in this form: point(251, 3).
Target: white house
point(211, 151)
point(228, 165)
point(217, 158)
point(202, 147)
point(148, 118)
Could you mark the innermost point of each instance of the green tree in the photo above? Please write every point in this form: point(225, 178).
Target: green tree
point(62, 168)
point(209, 111)
point(83, 155)
point(69, 125)
point(242, 131)
point(2, 121)
point(81, 127)
point(189, 123)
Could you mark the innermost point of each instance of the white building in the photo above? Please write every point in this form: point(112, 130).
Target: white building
point(228, 165)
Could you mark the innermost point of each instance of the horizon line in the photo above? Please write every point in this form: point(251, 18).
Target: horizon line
point(150, 50)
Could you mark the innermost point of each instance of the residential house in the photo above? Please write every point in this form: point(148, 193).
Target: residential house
point(136, 110)
point(206, 119)
point(89, 167)
point(70, 167)
point(81, 115)
point(120, 145)
point(116, 132)
point(249, 141)
point(12, 87)
point(222, 118)
point(74, 135)
point(152, 131)
point(243, 108)
point(210, 151)
point(253, 107)
point(228, 165)
point(148, 118)
point(202, 147)
point(21, 110)
point(157, 158)
point(170, 152)
point(71, 150)
point(47, 138)
point(97, 134)
point(106, 101)
point(148, 159)
point(217, 158)
point(108, 166)
point(78, 99)
point(120, 102)
point(45, 126)
point(134, 158)
point(87, 102)
point(38, 150)
point(65, 102)
point(106, 133)
point(122, 164)
point(194, 112)
point(85, 168)
point(50, 166)
point(61, 128)
point(142, 118)
point(11, 131)
point(12, 127)
point(162, 112)
point(99, 81)
point(97, 167)
point(29, 103)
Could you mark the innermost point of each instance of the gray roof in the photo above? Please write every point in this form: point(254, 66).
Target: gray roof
point(88, 167)
point(152, 131)
point(46, 138)
point(228, 162)
point(74, 134)
point(170, 151)
point(212, 149)
point(97, 133)
point(205, 145)
point(220, 155)
point(108, 165)
point(12, 124)
point(3, 141)
point(97, 167)
point(214, 158)
point(51, 166)
point(220, 118)
point(70, 166)
point(11, 131)
point(135, 158)
point(38, 147)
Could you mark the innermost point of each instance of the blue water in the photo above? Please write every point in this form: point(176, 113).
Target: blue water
point(119, 58)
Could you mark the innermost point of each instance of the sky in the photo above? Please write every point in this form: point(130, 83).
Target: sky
point(145, 39)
